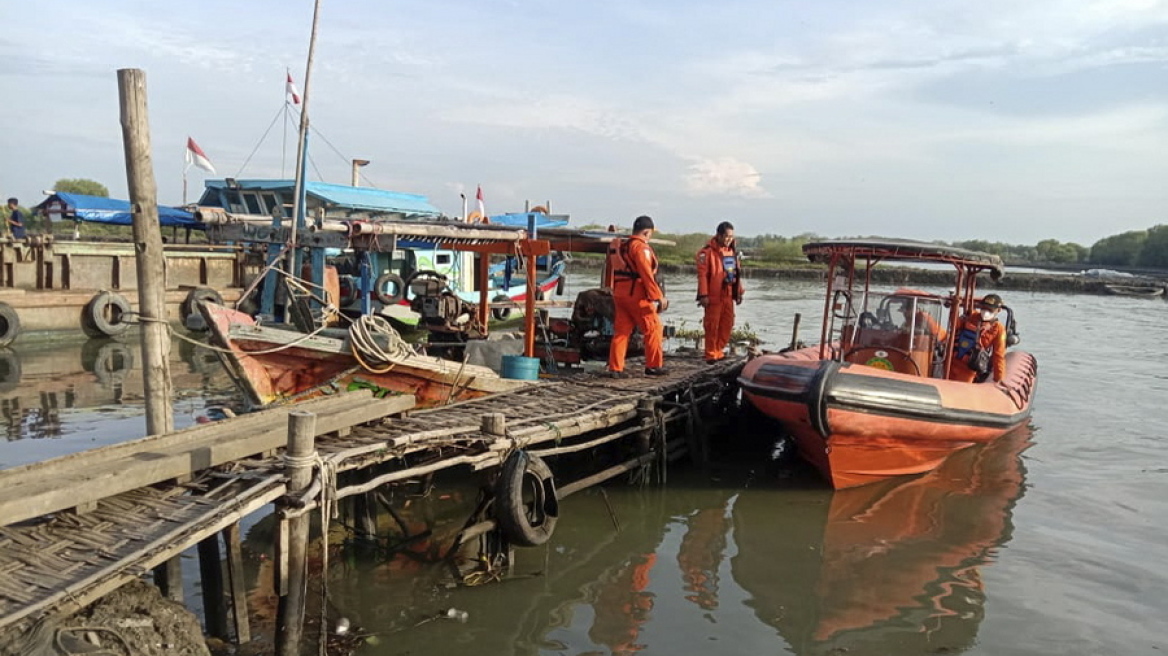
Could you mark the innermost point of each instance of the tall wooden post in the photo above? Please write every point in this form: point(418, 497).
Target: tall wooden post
point(151, 276)
point(298, 465)
point(148, 244)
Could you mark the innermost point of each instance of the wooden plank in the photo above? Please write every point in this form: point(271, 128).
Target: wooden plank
point(81, 483)
point(235, 575)
point(166, 545)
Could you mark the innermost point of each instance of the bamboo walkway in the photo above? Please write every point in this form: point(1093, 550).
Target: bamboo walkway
point(94, 520)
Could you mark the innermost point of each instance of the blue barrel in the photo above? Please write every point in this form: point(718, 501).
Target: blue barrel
point(520, 367)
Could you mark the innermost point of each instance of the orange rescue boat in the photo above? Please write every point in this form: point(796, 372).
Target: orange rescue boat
point(873, 401)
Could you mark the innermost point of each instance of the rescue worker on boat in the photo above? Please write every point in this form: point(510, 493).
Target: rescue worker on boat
point(637, 300)
point(720, 288)
point(979, 349)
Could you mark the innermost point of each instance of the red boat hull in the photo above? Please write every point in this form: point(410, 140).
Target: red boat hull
point(859, 424)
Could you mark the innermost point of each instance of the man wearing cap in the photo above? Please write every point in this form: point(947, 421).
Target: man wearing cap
point(632, 269)
point(980, 348)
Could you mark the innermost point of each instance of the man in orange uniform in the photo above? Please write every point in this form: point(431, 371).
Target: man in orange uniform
point(980, 347)
point(637, 298)
point(720, 288)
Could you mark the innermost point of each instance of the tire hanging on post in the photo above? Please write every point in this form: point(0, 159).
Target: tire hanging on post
point(526, 505)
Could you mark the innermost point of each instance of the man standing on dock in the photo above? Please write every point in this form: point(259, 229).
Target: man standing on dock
point(15, 219)
point(720, 288)
point(637, 299)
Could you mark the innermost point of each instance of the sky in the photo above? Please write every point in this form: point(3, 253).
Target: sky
point(937, 120)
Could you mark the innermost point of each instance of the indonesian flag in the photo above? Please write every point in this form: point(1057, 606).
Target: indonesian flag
point(479, 198)
point(290, 88)
point(196, 156)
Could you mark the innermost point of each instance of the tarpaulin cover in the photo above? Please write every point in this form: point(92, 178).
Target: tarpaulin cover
point(96, 209)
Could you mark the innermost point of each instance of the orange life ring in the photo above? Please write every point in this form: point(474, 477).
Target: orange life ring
point(475, 217)
point(540, 209)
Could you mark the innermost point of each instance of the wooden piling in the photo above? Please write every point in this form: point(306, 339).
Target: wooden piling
point(211, 576)
point(298, 461)
point(168, 578)
point(150, 263)
point(494, 423)
point(231, 539)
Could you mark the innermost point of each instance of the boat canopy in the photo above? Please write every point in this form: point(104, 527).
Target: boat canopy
point(523, 220)
point(97, 209)
point(905, 250)
point(331, 196)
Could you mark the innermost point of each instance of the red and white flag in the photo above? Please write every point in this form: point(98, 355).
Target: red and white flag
point(196, 156)
point(482, 208)
point(290, 87)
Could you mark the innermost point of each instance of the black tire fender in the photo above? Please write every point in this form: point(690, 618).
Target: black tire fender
point(501, 313)
point(560, 284)
point(105, 315)
point(9, 324)
point(526, 505)
point(399, 287)
point(195, 297)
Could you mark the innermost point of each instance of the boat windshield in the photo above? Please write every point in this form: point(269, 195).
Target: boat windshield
point(902, 331)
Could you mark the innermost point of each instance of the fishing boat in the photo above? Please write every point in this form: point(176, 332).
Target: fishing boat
point(273, 365)
point(368, 275)
point(873, 399)
point(1143, 291)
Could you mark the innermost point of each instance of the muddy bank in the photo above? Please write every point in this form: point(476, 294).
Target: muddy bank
point(134, 619)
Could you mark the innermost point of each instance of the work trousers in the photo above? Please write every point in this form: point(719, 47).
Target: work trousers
point(635, 312)
point(718, 323)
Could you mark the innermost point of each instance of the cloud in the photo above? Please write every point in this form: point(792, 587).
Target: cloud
point(724, 176)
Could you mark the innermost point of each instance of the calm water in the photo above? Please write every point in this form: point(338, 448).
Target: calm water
point(1050, 541)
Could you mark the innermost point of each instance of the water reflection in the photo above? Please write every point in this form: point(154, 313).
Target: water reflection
point(881, 569)
point(91, 389)
point(724, 566)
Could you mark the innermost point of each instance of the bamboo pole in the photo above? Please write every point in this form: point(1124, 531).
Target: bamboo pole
point(298, 460)
point(135, 120)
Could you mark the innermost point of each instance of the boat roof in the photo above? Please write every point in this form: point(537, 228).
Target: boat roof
point(343, 196)
point(98, 209)
point(904, 250)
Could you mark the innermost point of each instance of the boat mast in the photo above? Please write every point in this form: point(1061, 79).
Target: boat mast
point(302, 147)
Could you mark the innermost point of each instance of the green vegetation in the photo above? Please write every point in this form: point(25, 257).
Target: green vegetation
point(81, 186)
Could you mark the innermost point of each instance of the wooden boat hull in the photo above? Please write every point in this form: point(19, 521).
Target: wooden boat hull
point(273, 365)
point(860, 424)
point(1146, 291)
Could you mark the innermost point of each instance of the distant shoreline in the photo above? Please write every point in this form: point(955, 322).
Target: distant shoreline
point(1034, 282)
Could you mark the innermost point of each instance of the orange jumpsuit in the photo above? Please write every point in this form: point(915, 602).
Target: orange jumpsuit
point(634, 290)
point(989, 335)
point(720, 281)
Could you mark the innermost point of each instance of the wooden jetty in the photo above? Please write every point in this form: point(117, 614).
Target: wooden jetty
point(75, 528)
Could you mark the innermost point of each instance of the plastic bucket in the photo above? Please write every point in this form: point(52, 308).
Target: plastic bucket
point(519, 367)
